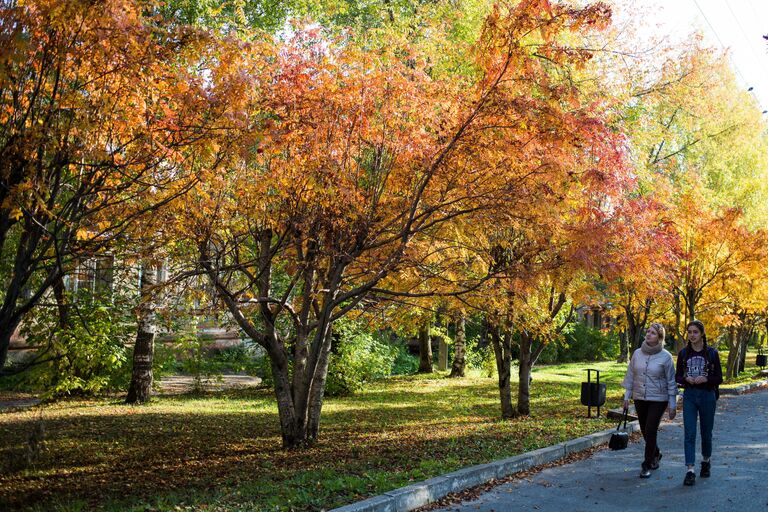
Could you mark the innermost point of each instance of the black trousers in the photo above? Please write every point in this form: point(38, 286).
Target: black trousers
point(649, 416)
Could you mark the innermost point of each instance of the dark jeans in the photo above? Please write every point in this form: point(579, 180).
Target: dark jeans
point(649, 416)
point(701, 403)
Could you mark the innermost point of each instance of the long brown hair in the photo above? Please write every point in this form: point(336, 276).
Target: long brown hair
point(700, 326)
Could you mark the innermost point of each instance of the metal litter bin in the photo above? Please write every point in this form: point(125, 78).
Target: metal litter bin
point(592, 393)
point(760, 360)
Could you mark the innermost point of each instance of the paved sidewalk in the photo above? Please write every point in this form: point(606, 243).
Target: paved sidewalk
point(609, 481)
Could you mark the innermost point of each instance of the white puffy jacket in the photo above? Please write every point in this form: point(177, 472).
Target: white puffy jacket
point(651, 377)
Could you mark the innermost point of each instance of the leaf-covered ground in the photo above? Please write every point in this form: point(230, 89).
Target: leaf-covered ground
point(221, 452)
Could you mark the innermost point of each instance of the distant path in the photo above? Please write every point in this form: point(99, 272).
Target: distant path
point(608, 481)
point(171, 385)
point(176, 384)
point(9, 402)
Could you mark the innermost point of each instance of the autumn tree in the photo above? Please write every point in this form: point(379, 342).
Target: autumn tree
point(697, 142)
point(96, 107)
point(436, 283)
point(543, 273)
point(532, 319)
point(220, 94)
point(641, 254)
point(739, 291)
point(359, 154)
point(227, 16)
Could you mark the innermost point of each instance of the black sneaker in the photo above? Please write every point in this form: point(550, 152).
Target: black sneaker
point(656, 461)
point(690, 478)
point(705, 467)
point(645, 471)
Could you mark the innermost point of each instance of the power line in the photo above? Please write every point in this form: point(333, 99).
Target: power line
point(754, 11)
point(744, 34)
point(714, 32)
point(756, 66)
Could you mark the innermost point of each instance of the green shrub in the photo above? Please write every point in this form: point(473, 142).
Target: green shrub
point(359, 357)
point(198, 359)
point(197, 356)
point(480, 359)
point(264, 371)
point(164, 361)
point(405, 363)
point(87, 356)
point(581, 343)
point(192, 354)
point(240, 358)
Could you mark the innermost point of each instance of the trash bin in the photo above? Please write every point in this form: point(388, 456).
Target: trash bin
point(760, 360)
point(592, 393)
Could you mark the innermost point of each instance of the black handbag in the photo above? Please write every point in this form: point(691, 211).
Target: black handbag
point(620, 438)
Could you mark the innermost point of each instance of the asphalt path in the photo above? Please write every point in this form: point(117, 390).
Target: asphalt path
point(608, 480)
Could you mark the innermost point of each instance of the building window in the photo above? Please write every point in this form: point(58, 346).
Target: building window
point(92, 275)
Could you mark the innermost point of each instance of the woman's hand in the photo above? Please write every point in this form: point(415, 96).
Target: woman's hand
point(672, 412)
point(691, 380)
point(626, 404)
point(700, 380)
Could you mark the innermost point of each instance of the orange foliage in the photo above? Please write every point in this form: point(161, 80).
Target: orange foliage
point(358, 164)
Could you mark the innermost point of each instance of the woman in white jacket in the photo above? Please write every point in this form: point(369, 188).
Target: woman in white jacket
point(650, 382)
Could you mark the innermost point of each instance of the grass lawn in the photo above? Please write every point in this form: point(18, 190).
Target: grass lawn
point(747, 376)
point(222, 451)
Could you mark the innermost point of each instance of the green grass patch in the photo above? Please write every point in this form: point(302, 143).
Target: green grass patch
point(221, 452)
point(745, 377)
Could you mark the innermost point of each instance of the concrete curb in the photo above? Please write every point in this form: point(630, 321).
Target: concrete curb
point(743, 389)
point(423, 493)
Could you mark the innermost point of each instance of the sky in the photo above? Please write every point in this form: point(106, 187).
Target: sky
point(735, 25)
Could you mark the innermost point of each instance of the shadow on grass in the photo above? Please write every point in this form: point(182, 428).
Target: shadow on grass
point(225, 447)
point(341, 467)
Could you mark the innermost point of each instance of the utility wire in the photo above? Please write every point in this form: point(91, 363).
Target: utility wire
point(754, 11)
point(744, 35)
point(760, 69)
point(736, 67)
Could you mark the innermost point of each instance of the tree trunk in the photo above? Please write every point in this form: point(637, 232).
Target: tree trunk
point(524, 375)
point(10, 318)
point(623, 347)
point(459, 348)
point(690, 305)
point(318, 389)
point(140, 389)
point(636, 324)
point(425, 350)
point(502, 349)
point(7, 328)
point(642, 323)
point(293, 434)
point(731, 367)
point(61, 302)
point(633, 329)
point(680, 341)
point(299, 409)
point(745, 334)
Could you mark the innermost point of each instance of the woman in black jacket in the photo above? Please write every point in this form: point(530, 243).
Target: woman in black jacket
point(700, 373)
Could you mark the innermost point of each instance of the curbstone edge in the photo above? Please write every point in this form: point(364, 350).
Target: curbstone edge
point(743, 389)
point(419, 494)
point(381, 503)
